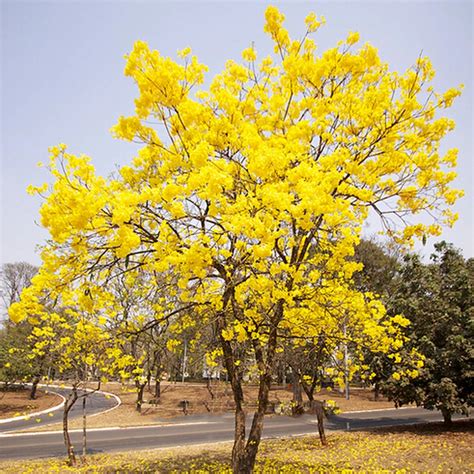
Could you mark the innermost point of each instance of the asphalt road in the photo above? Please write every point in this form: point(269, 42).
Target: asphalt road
point(95, 403)
point(196, 430)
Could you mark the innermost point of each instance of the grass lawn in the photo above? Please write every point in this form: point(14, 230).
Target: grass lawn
point(16, 402)
point(421, 448)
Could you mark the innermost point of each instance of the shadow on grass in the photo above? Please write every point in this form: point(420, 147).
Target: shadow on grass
point(428, 429)
point(206, 461)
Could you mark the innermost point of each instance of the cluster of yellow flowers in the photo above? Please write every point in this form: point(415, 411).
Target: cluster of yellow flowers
point(248, 198)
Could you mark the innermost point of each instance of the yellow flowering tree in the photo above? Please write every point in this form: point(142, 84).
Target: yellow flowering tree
point(247, 198)
point(72, 334)
point(143, 334)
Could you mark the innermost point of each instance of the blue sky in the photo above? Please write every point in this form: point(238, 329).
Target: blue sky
point(62, 78)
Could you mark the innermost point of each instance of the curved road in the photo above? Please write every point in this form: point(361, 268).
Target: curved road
point(197, 430)
point(96, 402)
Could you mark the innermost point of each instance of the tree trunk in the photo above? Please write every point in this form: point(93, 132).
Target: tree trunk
point(235, 377)
point(238, 449)
point(376, 392)
point(70, 401)
point(297, 408)
point(158, 369)
point(34, 387)
point(84, 428)
point(247, 460)
point(244, 454)
point(317, 408)
point(140, 390)
point(245, 463)
point(157, 389)
point(446, 416)
point(209, 388)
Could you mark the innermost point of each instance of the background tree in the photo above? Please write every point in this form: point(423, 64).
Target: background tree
point(438, 300)
point(310, 361)
point(381, 262)
point(379, 275)
point(14, 277)
point(15, 365)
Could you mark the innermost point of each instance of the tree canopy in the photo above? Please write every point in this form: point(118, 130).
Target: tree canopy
point(438, 299)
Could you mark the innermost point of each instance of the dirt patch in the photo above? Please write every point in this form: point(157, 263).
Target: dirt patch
point(201, 399)
point(16, 402)
point(218, 398)
point(423, 448)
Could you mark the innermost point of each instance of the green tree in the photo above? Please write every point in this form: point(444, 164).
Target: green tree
point(14, 363)
point(381, 265)
point(438, 300)
point(380, 275)
point(15, 366)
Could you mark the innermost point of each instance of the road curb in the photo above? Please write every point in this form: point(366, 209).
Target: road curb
point(38, 413)
point(107, 395)
point(105, 428)
point(59, 406)
point(376, 409)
